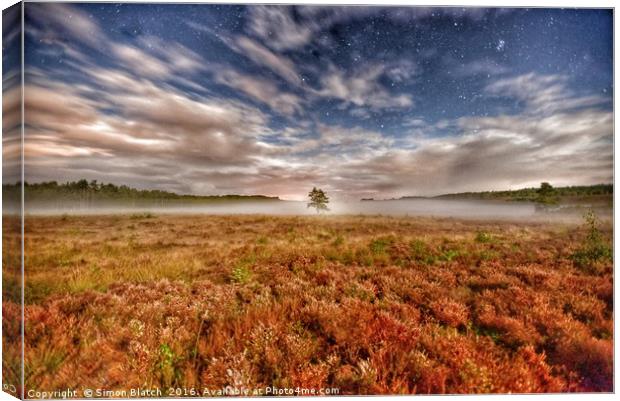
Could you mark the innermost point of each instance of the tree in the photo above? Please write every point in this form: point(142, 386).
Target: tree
point(546, 194)
point(318, 199)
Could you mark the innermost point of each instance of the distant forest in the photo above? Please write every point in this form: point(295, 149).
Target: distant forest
point(534, 194)
point(544, 194)
point(84, 190)
point(93, 191)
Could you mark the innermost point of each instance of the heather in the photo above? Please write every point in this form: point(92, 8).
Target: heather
point(366, 304)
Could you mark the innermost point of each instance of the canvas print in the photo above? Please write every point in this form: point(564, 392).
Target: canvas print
point(275, 200)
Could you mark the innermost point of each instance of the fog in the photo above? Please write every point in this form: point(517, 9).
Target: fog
point(464, 209)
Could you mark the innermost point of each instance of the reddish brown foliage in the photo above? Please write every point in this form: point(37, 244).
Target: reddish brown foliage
point(367, 305)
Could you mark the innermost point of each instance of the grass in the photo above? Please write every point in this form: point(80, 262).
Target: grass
point(370, 305)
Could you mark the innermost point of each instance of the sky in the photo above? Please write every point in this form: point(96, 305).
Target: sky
point(360, 101)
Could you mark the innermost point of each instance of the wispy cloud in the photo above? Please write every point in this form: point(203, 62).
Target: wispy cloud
point(285, 27)
point(542, 94)
point(261, 90)
point(362, 88)
point(62, 19)
point(265, 57)
point(277, 25)
point(501, 152)
point(271, 107)
point(140, 62)
point(480, 67)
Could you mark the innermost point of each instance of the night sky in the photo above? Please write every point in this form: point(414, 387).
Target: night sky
point(360, 101)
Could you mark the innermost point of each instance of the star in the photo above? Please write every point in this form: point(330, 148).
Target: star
point(329, 70)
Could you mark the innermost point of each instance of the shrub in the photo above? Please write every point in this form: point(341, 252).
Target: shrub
point(421, 252)
point(380, 245)
point(166, 364)
point(449, 312)
point(448, 255)
point(338, 241)
point(591, 358)
point(197, 302)
point(483, 237)
point(240, 274)
point(594, 248)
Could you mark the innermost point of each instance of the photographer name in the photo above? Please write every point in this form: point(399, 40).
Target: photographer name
point(130, 393)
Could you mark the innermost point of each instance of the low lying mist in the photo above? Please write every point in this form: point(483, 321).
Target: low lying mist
point(464, 209)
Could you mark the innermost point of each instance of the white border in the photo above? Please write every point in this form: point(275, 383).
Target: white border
point(471, 3)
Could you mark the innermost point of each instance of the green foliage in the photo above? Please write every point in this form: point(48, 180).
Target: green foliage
point(166, 364)
point(380, 245)
point(594, 247)
point(318, 200)
point(421, 252)
point(167, 356)
point(338, 241)
point(545, 189)
point(354, 290)
point(533, 194)
point(546, 194)
point(240, 274)
point(483, 237)
point(490, 332)
point(362, 322)
point(84, 191)
point(448, 255)
point(487, 254)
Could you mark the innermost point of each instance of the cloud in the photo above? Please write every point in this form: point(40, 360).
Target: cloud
point(277, 25)
point(256, 86)
point(411, 14)
point(361, 88)
point(479, 67)
point(504, 151)
point(402, 71)
point(153, 126)
point(352, 141)
point(542, 94)
point(499, 152)
point(265, 57)
point(60, 21)
point(299, 25)
point(61, 26)
point(11, 30)
point(160, 137)
point(286, 27)
point(130, 124)
point(162, 60)
point(11, 133)
point(140, 62)
point(565, 146)
point(260, 90)
point(128, 121)
point(178, 57)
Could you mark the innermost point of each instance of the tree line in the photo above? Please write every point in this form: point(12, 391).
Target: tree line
point(546, 193)
point(93, 190)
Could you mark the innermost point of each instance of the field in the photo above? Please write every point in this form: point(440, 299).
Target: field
point(365, 305)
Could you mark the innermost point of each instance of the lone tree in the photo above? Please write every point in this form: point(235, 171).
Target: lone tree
point(318, 199)
point(546, 194)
